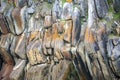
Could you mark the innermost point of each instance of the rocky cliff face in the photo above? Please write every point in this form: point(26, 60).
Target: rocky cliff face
point(59, 39)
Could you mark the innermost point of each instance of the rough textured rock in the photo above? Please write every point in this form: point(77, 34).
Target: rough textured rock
point(59, 40)
point(67, 11)
point(18, 72)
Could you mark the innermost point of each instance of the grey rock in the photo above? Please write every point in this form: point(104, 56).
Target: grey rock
point(3, 6)
point(20, 48)
point(68, 31)
point(31, 9)
point(18, 72)
point(116, 41)
point(48, 21)
point(109, 47)
point(3, 25)
point(38, 72)
point(116, 5)
point(101, 7)
point(67, 11)
point(44, 9)
point(76, 30)
point(6, 41)
point(9, 20)
point(18, 16)
point(56, 11)
point(20, 3)
point(115, 52)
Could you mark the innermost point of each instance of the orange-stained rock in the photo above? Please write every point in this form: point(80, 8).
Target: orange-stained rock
point(69, 0)
point(33, 35)
point(47, 38)
point(54, 34)
point(66, 52)
point(34, 52)
point(68, 31)
point(89, 36)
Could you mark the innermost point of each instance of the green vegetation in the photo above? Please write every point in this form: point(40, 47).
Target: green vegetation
point(63, 1)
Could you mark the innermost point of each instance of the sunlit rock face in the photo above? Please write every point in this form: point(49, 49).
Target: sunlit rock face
point(59, 40)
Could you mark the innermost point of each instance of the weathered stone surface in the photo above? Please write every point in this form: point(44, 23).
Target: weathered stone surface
point(20, 48)
point(3, 6)
point(48, 21)
point(67, 11)
point(18, 72)
point(18, 15)
point(47, 38)
point(101, 7)
point(8, 63)
point(115, 52)
point(6, 41)
point(3, 25)
point(34, 53)
point(55, 34)
point(116, 5)
point(63, 70)
point(68, 31)
point(76, 30)
point(20, 3)
point(45, 9)
point(38, 72)
point(66, 52)
point(9, 20)
point(56, 11)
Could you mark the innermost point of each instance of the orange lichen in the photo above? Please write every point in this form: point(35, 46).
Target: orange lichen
point(69, 0)
point(33, 35)
point(89, 36)
point(55, 32)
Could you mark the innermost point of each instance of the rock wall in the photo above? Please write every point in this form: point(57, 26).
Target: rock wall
point(52, 40)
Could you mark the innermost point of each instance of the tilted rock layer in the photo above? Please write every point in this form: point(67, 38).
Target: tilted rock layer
point(52, 40)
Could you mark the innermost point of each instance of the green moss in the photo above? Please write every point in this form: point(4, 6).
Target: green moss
point(109, 2)
point(116, 16)
point(63, 1)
